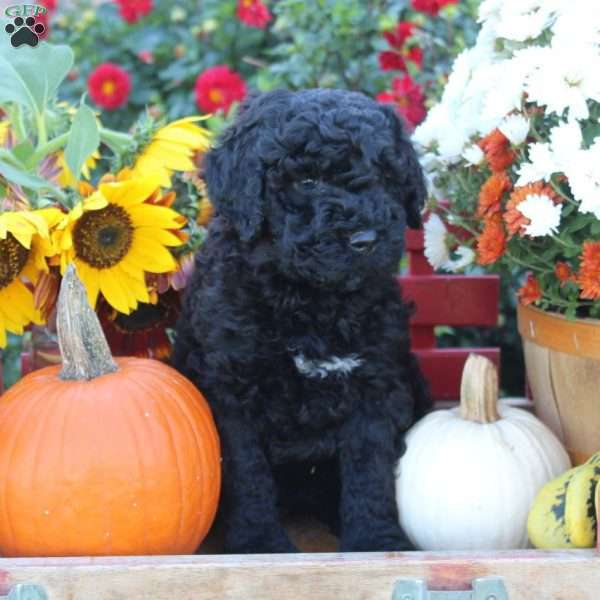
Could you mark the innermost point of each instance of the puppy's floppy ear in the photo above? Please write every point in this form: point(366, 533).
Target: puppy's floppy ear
point(403, 165)
point(234, 174)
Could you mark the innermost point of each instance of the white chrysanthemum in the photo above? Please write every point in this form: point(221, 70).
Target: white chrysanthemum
point(569, 20)
point(566, 79)
point(465, 256)
point(490, 9)
point(427, 133)
point(436, 246)
point(497, 100)
point(557, 156)
point(473, 154)
point(543, 214)
point(515, 128)
point(541, 165)
point(584, 179)
point(432, 165)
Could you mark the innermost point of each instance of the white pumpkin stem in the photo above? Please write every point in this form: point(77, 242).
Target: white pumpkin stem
point(83, 347)
point(479, 390)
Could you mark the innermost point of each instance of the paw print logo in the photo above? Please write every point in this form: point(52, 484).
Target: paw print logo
point(24, 31)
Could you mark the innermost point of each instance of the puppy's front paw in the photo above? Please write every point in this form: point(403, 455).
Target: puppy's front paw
point(376, 539)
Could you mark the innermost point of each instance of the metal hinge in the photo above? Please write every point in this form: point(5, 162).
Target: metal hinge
point(26, 591)
point(484, 588)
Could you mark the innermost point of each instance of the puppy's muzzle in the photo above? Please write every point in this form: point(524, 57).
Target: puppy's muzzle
point(363, 242)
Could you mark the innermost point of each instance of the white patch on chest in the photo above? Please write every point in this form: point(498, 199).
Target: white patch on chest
point(340, 365)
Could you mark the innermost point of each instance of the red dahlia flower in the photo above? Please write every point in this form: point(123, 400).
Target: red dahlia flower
point(431, 7)
point(49, 4)
point(133, 10)
point(253, 13)
point(109, 86)
point(408, 98)
point(398, 36)
point(218, 88)
point(44, 18)
point(395, 60)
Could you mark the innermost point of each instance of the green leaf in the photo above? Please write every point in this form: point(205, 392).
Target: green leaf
point(7, 156)
point(31, 76)
point(24, 151)
point(596, 228)
point(26, 180)
point(84, 139)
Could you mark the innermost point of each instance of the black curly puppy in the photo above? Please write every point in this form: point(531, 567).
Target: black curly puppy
point(293, 325)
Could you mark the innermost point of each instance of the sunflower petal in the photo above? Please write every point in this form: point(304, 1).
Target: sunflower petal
point(148, 215)
point(151, 256)
point(130, 192)
point(112, 289)
point(90, 278)
point(166, 238)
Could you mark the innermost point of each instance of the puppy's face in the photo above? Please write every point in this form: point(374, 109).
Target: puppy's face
point(327, 177)
point(334, 220)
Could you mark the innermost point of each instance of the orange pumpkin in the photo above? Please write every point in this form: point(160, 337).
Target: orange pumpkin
point(104, 457)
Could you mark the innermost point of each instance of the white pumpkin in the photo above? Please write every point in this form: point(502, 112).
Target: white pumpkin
point(470, 474)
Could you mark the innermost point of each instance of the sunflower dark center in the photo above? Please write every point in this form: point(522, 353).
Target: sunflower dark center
point(103, 237)
point(13, 257)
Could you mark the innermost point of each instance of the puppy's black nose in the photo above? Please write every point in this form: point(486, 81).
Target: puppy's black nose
point(363, 241)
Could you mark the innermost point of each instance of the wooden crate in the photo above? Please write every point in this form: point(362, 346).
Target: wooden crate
point(526, 575)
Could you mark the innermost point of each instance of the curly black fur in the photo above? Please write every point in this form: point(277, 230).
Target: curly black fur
point(292, 180)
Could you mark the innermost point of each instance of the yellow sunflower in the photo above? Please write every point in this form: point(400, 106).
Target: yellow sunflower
point(66, 178)
point(172, 148)
point(115, 236)
point(24, 246)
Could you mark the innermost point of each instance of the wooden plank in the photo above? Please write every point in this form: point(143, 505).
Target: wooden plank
point(443, 368)
point(528, 575)
point(455, 300)
point(414, 240)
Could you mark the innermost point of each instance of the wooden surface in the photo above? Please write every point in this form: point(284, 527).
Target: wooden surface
point(565, 575)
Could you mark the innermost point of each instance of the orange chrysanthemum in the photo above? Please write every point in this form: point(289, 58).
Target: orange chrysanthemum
point(563, 272)
point(531, 291)
point(492, 241)
point(498, 152)
point(589, 272)
point(490, 195)
point(515, 220)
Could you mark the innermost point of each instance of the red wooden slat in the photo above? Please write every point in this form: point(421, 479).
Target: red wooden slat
point(422, 338)
point(414, 240)
point(456, 300)
point(443, 368)
point(418, 264)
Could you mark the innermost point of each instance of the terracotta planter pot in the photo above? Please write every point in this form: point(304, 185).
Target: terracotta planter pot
point(563, 369)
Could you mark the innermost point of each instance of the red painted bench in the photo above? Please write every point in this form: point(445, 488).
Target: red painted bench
point(452, 300)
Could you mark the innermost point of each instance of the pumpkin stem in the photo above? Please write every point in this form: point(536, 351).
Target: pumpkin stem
point(479, 390)
point(83, 347)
